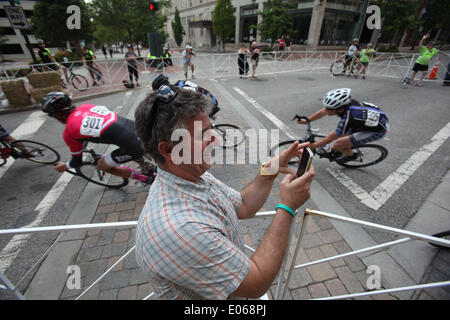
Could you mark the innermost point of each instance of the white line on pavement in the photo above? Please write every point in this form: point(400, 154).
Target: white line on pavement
point(394, 181)
point(14, 246)
point(269, 115)
point(391, 184)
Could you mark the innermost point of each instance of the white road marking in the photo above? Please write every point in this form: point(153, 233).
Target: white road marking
point(14, 246)
point(391, 184)
point(269, 115)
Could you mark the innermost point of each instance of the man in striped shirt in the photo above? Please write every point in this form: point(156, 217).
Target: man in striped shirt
point(188, 239)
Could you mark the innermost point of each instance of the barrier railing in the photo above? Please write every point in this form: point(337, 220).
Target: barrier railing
point(216, 66)
point(301, 224)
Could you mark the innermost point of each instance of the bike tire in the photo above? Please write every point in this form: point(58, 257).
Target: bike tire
point(228, 132)
point(441, 235)
point(371, 154)
point(79, 82)
point(90, 172)
point(337, 67)
point(2, 162)
point(284, 146)
point(44, 154)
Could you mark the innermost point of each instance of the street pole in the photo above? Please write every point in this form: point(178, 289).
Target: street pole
point(358, 28)
point(27, 41)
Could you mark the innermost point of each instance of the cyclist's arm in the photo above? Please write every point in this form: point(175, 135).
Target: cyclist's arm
point(315, 116)
point(327, 140)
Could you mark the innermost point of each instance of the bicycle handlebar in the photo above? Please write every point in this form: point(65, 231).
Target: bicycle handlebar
point(308, 125)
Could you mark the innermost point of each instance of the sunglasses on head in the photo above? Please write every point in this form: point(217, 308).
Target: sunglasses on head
point(165, 94)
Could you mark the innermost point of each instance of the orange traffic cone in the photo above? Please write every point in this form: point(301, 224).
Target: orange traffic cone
point(433, 72)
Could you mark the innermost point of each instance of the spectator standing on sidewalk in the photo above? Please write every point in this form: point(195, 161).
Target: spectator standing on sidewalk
point(281, 45)
point(255, 52)
point(110, 49)
point(364, 57)
point(242, 60)
point(130, 58)
point(187, 56)
point(105, 45)
point(426, 54)
point(188, 239)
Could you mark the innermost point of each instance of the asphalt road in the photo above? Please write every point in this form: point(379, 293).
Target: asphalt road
point(416, 115)
point(26, 187)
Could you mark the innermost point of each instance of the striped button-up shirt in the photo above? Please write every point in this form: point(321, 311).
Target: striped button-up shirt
point(188, 238)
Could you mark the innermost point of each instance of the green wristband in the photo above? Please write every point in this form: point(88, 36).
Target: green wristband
point(285, 207)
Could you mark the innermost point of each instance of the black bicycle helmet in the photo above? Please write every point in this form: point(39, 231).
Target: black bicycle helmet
point(55, 102)
point(159, 81)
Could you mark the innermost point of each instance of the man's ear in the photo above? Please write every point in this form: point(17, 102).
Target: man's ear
point(165, 149)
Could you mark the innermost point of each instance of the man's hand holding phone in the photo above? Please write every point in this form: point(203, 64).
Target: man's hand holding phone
point(295, 191)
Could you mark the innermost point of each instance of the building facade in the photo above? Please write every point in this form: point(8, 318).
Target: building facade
point(315, 22)
point(14, 47)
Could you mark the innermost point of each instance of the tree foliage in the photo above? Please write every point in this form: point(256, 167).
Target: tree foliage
point(399, 16)
point(177, 28)
point(224, 21)
point(126, 19)
point(49, 21)
point(276, 20)
point(437, 14)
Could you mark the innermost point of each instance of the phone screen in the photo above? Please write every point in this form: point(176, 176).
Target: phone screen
point(305, 161)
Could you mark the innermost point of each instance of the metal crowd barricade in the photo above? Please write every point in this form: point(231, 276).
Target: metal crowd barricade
point(301, 224)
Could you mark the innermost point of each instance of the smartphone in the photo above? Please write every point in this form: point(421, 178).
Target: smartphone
point(305, 161)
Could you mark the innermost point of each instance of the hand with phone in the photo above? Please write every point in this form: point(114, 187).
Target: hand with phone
point(305, 161)
point(295, 191)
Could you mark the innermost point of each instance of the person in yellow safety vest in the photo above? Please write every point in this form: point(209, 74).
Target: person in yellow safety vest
point(49, 60)
point(89, 61)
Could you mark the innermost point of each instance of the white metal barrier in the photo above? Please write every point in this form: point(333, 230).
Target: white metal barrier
point(301, 224)
point(217, 66)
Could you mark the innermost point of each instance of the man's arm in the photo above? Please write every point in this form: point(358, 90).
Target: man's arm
point(255, 195)
point(266, 261)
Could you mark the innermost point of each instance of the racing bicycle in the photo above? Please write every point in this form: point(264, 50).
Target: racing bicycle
point(29, 150)
point(368, 154)
point(78, 81)
point(231, 135)
point(340, 68)
point(89, 171)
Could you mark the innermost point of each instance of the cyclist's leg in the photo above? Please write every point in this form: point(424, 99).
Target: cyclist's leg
point(344, 145)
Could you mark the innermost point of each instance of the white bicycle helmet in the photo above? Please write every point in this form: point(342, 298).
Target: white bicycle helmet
point(337, 98)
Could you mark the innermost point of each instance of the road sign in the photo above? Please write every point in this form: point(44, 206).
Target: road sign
point(17, 17)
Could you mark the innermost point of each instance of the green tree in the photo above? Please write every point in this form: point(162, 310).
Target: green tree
point(130, 17)
point(50, 19)
point(276, 20)
point(177, 28)
point(224, 21)
point(436, 16)
point(399, 16)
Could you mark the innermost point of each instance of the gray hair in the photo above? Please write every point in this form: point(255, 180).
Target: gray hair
point(169, 117)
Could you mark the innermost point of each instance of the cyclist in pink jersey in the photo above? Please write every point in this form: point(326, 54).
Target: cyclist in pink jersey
point(97, 124)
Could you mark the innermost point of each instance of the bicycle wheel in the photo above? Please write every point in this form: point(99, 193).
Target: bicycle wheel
point(445, 235)
point(80, 83)
point(284, 146)
point(2, 161)
point(90, 172)
point(337, 68)
point(36, 151)
point(232, 135)
point(370, 154)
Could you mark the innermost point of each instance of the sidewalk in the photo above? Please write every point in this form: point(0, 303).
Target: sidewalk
point(95, 251)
